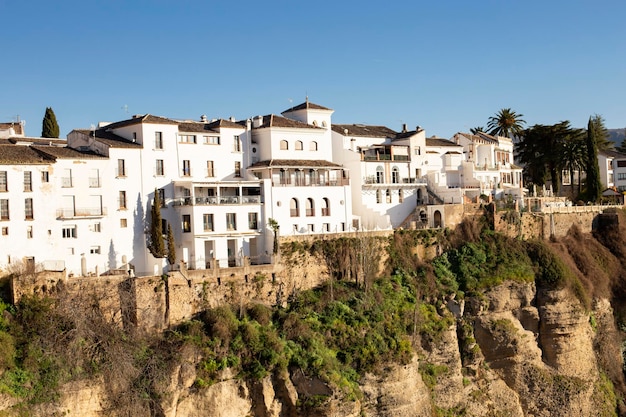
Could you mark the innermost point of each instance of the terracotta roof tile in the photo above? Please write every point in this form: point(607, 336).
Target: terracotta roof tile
point(439, 142)
point(364, 130)
point(147, 118)
point(272, 120)
point(306, 105)
point(58, 152)
point(110, 139)
point(21, 155)
point(291, 163)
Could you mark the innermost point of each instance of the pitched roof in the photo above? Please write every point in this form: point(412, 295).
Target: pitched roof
point(364, 130)
point(17, 127)
point(110, 139)
point(58, 152)
point(439, 142)
point(306, 105)
point(613, 153)
point(480, 137)
point(38, 141)
point(403, 135)
point(291, 163)
point(20, 155)
point(147, 118)
point(214, 126)
point(272, 120)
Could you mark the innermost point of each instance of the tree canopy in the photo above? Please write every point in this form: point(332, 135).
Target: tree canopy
point(156, 244)
point(506, 123)
point(596, 133)
point(50, 127)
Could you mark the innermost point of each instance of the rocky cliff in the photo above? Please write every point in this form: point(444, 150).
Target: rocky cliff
point(515, 351)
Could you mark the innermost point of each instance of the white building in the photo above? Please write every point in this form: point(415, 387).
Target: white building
point(305, 192)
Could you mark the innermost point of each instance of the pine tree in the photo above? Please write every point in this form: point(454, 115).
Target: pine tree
point(156, 245)
point(171, 246)
point(50, 127)
point(595, 133)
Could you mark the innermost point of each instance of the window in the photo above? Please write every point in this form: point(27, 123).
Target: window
point(94, 178)
point(95, 250)
point(311, 228)
point(284, 145)
point(69, 232)
point(293, 208)
point(253, 221)
point(326, 227)
point(161, 192)
point(123, 223)
point(28, 181)
point(207, 220)
point(121, 168)
point(325, 207)
point(163, 226)
point(395, 175)
point(28, 209)
point(186, 223)
point(3, 182)
point(97, 227)
point(159, 167)
point(388, 196)
point(310, 207)
point(187, 138)
point(45, 176)
point(66, 180)
point(313, 146)
point(621, 176)
point(122, 199)
point(299, 145)
point(211, 140)
point(380, 175)
point(237, 169)
point(379, 196)
point(5, 231)
point(400, 196)
point(236, 144)
point(210, 169)
point(158, 140)
point(4, 209)
point(29, 232)
point(186, 167)
point(231, 221)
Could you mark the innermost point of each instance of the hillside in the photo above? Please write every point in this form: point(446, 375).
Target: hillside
point(492, 326)
point(617, 136)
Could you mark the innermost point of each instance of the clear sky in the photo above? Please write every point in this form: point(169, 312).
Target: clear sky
point(440, 64)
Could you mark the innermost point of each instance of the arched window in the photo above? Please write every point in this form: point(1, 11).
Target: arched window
point(380, 175)
point(325, 207)
point(323, 123)
point(388, 195)
point(310, 207)
point(299, 146)
point(314, 122)
point(293, 208)
point(313, 146)
point(284, 145)
point(395, 175)
point(379, 196)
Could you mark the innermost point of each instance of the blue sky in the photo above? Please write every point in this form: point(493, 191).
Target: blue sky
point(443, 65)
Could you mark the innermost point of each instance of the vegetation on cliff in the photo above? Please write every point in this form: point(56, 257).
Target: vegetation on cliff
point(366, 315)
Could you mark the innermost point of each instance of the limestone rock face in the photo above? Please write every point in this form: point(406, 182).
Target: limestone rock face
point(513, 351)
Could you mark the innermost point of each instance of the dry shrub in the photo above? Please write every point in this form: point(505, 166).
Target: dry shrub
point(468, 231)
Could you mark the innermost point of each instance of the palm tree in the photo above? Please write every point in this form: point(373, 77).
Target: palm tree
point(477, 129)
point(574, 154)
point(506, 123)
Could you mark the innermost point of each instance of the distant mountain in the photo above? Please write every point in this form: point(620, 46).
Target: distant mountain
point(617, 136)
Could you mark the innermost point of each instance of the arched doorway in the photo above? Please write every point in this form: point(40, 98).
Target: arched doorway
point(437, 219)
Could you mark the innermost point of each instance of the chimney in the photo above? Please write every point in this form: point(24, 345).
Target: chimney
point(404, 128)
point(257, 121)
point(232, 119)
point(203, 118)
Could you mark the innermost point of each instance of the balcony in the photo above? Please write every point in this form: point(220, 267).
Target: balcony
point(303, 182)
point(213, 200)
point(72, 213)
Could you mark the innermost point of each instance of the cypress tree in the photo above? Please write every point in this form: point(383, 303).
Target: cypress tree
point(50, 127)
point(171, 246)
point(595, 132)
point(156, 244)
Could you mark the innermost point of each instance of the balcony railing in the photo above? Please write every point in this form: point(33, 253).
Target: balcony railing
point(68, 213)
point(207, 201)
point(66, 182)
point(94, 182)
point(286, 182)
